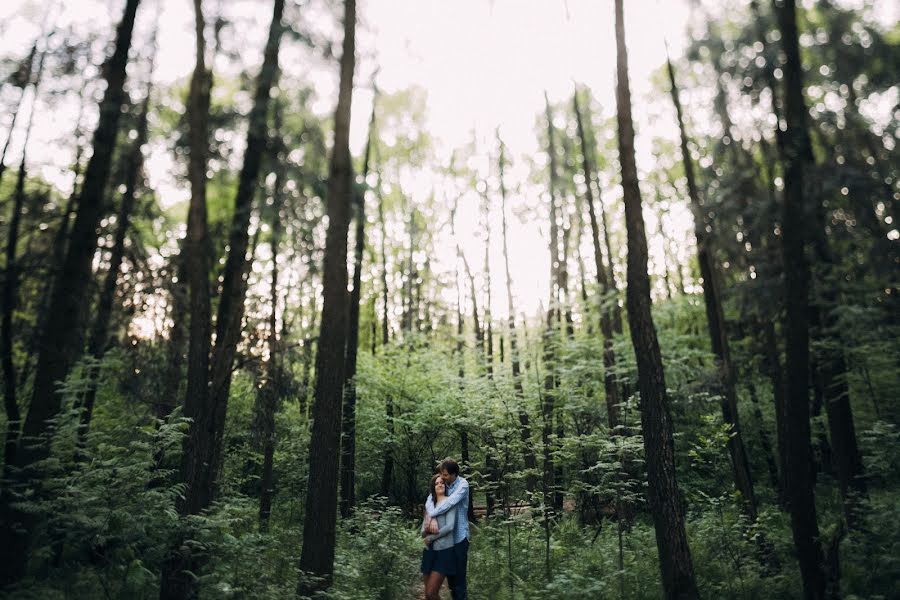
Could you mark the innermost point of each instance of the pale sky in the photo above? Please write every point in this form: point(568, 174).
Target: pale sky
point(483, 63)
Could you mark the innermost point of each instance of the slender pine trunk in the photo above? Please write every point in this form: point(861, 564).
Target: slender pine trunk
point(798, 476)
point(665, 498)
point(348, 426)
point(319, 527)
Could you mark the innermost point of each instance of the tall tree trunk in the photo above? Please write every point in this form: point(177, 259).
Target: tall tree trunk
point(665, 498)
point(348, 427)
point(385, 292)
point(234, 277)
point(99, 337)
point(177, 580)
point(488, 320)
point(387, 473)
point(715, 316)
point(271, 389)
point(551, 334)
point(798, 474)
point(317, 556)
point(11, 291)
point(59, 241)
point(61, 341)
point(610, 385)
point(524, 421)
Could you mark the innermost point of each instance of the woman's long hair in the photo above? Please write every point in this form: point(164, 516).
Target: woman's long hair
point(432, 485)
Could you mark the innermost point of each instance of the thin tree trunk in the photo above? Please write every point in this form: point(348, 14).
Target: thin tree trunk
point(524, 421)
point(551, 335)
point(59, 242)
point(272, 388)
point(488, 321)
point(385, 319)
point(348, 427)
point(665, 498)
point(798, 474)
point(61, 341)
point(317, 556)
point(610, 385)
point(177, 581)
point(99, 337)
point(715, 316)
point(11, 291)
point(234, 277)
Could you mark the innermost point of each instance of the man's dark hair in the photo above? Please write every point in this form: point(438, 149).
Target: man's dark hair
point(450, 465)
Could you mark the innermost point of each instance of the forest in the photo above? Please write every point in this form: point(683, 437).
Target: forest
point(240, 330)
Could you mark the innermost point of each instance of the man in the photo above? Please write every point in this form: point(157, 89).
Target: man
point(458, 500)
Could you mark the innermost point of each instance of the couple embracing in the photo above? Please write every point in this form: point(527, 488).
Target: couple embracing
point(445, 531)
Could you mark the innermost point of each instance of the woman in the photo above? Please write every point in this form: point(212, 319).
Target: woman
point(437, 558)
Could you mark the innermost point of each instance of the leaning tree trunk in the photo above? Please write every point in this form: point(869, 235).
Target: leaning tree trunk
point(317, 556)
point(528, 456)
point(715, 317)
point(60, 343)
point(665, 499)
point(100, 332)
point(234, 277)
point(177, 579)
point(348, 426)
point(10, 290)
point(798, 476)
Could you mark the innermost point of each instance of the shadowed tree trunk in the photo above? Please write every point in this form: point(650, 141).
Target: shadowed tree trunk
point(61, 342)
point(665, 498)
point(715, 316)
point(97, 343)
point(11, 285)
point(271, 389)
point(798, 475)
point(317, 556)
point(524, 422)
point(385, 292)
point(234, 276)
point(59, 238)
point(610, 384)
point(177, 581)
point(551, 333)
point(348, 427)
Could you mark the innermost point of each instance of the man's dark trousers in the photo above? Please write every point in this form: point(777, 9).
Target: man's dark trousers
point(457, 583)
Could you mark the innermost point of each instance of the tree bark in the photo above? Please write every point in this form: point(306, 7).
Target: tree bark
point(665, 498)
point(61, 341)
point(715, 316)
point(234, 277)
point(798, 476)
point(97, 343)
point(348, 426)
point(528, 457)
point(271, 389)
point(317, 556)
point(11, 291)
point(176, 580)
point(610, 385)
